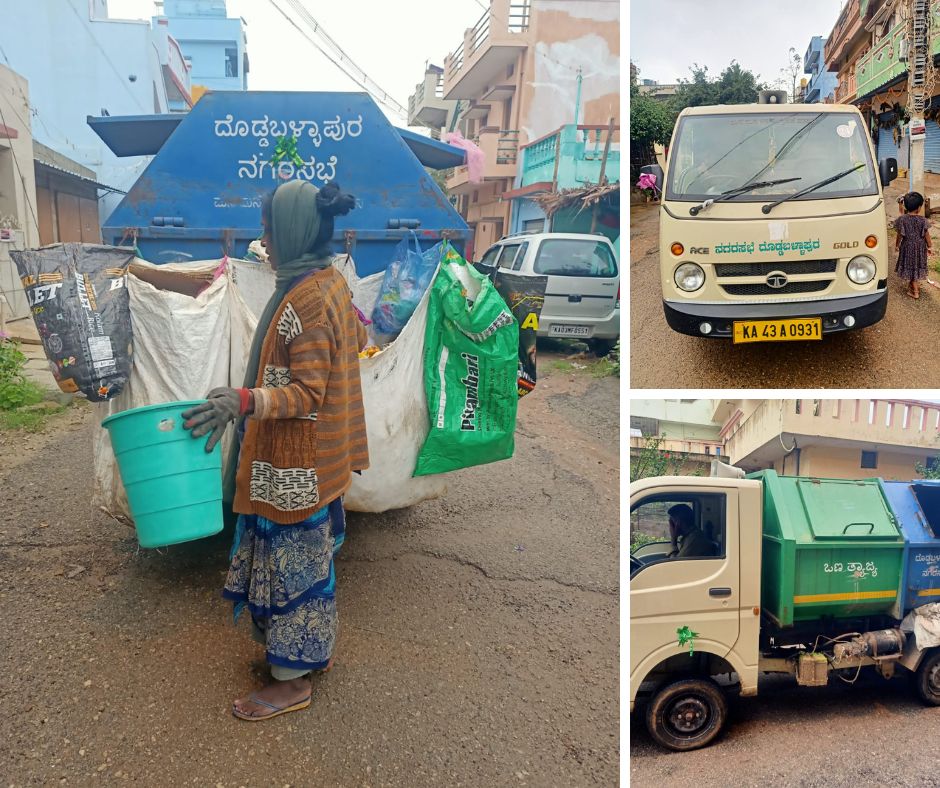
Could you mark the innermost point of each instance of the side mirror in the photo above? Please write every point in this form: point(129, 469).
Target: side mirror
point(657, 172)
point(888, 170)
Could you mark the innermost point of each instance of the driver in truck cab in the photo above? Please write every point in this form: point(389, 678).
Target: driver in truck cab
point(688, 540)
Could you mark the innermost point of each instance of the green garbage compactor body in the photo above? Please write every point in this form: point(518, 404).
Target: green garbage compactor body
point(831, 548)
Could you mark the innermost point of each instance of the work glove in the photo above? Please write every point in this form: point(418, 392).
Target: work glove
point(222, 406)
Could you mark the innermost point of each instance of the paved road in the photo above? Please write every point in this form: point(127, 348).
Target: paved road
point(897, 352)
point(872, 733)
point(478, 638)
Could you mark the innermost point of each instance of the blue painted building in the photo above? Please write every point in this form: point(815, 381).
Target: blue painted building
point(213, 44)
point(78, 61)
point(578, 151)
point(822, 83)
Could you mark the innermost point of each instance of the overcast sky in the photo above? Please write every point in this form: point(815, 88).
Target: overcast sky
point(713, 32)
point(389, 41)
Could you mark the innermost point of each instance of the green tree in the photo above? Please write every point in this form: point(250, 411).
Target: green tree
point(699, 91)
point(653, 460)
point(651, 122)
point(735, 85)
point(932, 472)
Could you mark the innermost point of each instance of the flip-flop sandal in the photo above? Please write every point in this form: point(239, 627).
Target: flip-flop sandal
point(276, 711)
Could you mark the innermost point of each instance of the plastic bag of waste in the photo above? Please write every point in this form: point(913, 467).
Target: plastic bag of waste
point(406, 280)
point(78, 297)
point(471, 351)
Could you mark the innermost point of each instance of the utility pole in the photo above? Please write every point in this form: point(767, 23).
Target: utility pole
point(602, 179)
point(917, 86)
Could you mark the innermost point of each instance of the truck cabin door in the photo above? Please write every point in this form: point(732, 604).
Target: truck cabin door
point(699, 587)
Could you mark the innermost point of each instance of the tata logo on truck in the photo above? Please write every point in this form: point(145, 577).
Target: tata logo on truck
point(777, 279)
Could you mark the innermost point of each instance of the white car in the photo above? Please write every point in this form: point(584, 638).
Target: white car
point(582, 298)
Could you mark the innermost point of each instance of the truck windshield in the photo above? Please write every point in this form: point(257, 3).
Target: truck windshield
point(712, 154)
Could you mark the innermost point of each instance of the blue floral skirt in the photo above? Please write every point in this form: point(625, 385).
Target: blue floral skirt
point(284, 575)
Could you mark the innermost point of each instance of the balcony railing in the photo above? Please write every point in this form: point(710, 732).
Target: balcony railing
point(579, 150)
point(501, 152)
point(420, 95)
point(481, 32)
point(519, 17)
point(881, 65)
point(891, 422)
point(845, 90)
point(503, 18)
point(507, 147)
point(849, 22)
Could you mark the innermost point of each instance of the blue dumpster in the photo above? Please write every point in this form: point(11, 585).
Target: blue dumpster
point(916, 506)
point(200, 196)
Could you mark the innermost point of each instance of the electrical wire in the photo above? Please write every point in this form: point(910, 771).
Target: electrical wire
point(362, 78)
point(32, 110)
point(318, 29)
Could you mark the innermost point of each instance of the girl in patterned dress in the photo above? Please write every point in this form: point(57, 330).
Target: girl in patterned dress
point(912, 243)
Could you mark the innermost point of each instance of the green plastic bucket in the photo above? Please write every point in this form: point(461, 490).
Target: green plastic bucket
point(173, 485)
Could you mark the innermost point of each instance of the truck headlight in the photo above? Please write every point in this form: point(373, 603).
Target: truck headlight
point(690, 277)
point(861, 270)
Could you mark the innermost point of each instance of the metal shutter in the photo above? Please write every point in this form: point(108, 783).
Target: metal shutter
point(886, 147)
point(932, 147)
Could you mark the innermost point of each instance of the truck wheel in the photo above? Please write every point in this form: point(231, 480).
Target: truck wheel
point(687, 714)
point(927, 679)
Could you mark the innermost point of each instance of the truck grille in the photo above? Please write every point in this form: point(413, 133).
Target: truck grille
point(790, 268)
point(760, 289)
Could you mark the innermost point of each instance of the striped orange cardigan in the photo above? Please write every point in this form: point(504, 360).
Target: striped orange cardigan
point(307, 433)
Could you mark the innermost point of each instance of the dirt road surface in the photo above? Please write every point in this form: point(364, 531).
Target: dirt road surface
point(839, 736)
point(478, 637)
point(893, 353)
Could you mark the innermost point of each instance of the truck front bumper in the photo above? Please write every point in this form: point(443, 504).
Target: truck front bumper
point(686, 318)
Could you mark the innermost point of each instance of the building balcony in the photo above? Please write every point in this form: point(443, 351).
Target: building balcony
point(488, 49)
point(848, 31)
point(501, 149)
point(882, 64)
point(813, 56)
point(426, 106)
point(579, 151)
point(848, 423)
point(176, 71)
point(845, 90)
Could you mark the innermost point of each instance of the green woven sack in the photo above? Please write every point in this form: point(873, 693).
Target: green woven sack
point(470, 364)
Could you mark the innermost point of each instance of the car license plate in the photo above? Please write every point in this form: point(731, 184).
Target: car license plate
point(777, 330)
point(569, 331)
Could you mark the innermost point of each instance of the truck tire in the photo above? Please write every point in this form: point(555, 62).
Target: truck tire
point(927, 678)
point(687, 714)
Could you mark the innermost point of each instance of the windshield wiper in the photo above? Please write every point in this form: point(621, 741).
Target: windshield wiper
point(694, 210)
point(771, 205)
